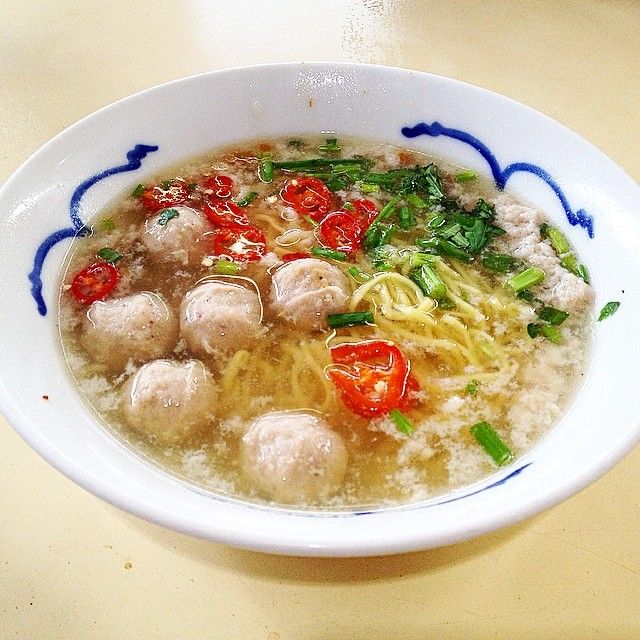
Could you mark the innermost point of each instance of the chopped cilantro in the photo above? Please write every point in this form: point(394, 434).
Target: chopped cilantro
point(137, 192)
point(167, 215)
point(109, 255)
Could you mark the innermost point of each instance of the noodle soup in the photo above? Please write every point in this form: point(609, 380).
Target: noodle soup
point(325, 323)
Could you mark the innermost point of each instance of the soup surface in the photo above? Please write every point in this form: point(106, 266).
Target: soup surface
point(325, 323)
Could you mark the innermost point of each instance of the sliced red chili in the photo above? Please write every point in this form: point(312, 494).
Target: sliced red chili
point(341, 231)
point(167, 194)
point(94, 282)
point(297, 255)
point(365, 210)
point(371, 376)
point(222, 186)
point(308, 196)
point(224, 213)
point(239, 244)
point(409, 400)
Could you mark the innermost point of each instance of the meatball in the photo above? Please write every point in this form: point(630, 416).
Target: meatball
point(168, 399)
point(305, 291)
point(218, 317)
point(293, 457)
point(179, 238)
point(137, 327)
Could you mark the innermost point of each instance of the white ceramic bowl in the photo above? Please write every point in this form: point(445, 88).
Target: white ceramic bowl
point(90, 163)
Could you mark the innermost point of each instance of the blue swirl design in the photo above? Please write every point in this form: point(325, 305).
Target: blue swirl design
point(78, 228)
point(501, 176)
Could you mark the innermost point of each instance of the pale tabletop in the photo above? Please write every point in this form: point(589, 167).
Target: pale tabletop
point(74, 567)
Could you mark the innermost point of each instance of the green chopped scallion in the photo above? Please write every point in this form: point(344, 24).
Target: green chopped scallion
point(348, 206)
point(491, 442)
point(137, 192)
point(551, 333)
point(322, 252)
point(109, 255)
point(429, 282)
point(310, 220)
point(315, 165)
point(556, 238)
point(526, 279)
point(582, 272)
point(166, 215)
point(552, 315)
point(527, 296)
point(548, 331)
point(227, 268)
point(330, 146)
point(247, 199)
point(403, 425)
point(466, 176)
point(338, 320)
point(296, 144)
point(337, 183)
point(265, 171)
point(446, 304)
point(378, 234)
point(359, 276)
point(608, 310)
point(369, 188)
point(418, 258)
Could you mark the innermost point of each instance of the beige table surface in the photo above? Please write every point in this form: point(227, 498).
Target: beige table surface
point(74, 567)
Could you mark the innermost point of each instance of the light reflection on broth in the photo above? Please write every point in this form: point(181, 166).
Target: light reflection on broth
point(470, 358)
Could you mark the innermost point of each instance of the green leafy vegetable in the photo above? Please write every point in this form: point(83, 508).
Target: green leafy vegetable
point(421, 180)
point(442, 247)
point(491, 442)
point(608, 310)
point(378, 234)
point(109, 255)
point(406, 218)
point(498, 262)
